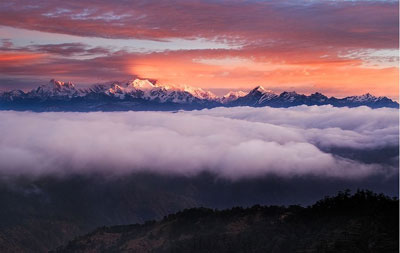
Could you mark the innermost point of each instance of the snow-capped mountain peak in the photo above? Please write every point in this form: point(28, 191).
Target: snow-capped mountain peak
point(258, 89)
point(60, 84)
point(152, 91)
point(141, 84)
point(363, 98)
point(263, 94)
point(57, 85)
point(231, 96)
point(262, 90)
point(199, 93)
point(55, 89)
point(235, 94)
point(115, 88)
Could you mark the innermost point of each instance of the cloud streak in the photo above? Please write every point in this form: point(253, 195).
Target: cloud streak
point(229, 142)
point(339, 23)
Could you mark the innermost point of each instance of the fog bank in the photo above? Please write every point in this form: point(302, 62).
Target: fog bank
point(229, 142)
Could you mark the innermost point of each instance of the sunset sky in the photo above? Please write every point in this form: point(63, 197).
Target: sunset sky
point(336, 47)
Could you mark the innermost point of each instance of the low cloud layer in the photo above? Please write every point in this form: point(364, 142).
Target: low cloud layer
point(230, 142)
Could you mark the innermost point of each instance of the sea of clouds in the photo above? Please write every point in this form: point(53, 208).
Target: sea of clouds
point(229, 142)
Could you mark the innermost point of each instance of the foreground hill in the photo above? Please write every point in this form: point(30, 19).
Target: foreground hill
point(41, 214)
point(363, 222)
point(145, 95)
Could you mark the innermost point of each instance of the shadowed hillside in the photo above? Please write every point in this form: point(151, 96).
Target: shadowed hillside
point(363, 222)
point(41, 214)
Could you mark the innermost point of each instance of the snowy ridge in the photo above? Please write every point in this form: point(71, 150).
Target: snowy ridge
point(231, 96)
point(55, 89)
point(138, 91)
point(364, 98)
point(145, 89)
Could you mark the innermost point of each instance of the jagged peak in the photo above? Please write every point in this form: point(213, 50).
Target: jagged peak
point(258, 89)
point(199, 92)
point(141, 84)
point(231, 96)
point(55, 86)
point(364, 98)
point(368, 95)
point(289, 93)
point(13, 92)
point(261, 89)
point(56, 83)
point(235, 94)
point(115, 88)
point(318, 95)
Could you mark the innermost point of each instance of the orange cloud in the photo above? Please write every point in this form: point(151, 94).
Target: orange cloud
point(305, 71)
point(338, 77)
point(19, 57)
point(299, 45)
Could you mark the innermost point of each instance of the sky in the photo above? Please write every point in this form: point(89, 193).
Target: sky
point(339, 48)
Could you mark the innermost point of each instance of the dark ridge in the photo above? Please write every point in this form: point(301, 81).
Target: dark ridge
point(362, 222)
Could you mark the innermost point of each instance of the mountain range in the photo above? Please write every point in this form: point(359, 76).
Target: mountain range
point(143, 94)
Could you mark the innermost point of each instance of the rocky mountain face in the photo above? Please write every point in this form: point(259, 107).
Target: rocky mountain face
point(363, 222)
point(142, 94)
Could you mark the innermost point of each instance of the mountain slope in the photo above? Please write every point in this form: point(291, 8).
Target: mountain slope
point(363, 222)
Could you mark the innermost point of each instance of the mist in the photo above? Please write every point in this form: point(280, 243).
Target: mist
point(232, 143)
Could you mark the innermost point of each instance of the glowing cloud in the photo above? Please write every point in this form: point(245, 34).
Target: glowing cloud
point(335, 47)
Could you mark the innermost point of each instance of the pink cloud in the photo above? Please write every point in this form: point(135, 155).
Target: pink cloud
point(356, 24)
point(283, 44)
